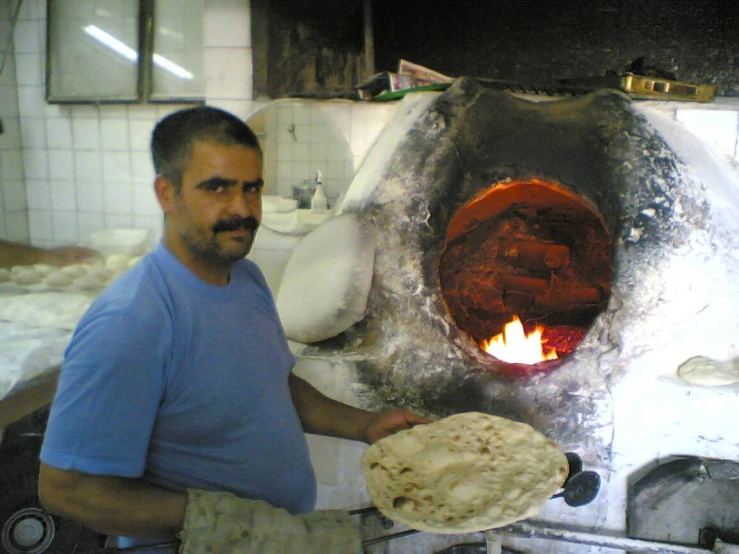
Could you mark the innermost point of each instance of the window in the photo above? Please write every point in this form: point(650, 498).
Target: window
point(124, 51)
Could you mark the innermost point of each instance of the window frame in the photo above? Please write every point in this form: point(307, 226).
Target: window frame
point(144, 66)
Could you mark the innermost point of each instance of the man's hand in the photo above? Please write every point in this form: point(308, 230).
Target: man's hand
point(69, 255)
point(390, 422)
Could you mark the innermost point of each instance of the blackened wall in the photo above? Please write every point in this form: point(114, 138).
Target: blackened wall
point(538, 40)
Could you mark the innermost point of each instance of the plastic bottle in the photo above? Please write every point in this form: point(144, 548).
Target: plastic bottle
point(319, 202)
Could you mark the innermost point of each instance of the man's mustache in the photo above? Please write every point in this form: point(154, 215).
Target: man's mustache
point(235, 223)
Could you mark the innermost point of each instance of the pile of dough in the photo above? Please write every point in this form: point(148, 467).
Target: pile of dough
point(76, 277)
point(464, 473)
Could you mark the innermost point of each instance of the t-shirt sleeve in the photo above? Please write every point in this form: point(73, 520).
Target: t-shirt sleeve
point(110, 387)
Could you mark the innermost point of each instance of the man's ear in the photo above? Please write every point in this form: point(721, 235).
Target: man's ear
point(165, 191)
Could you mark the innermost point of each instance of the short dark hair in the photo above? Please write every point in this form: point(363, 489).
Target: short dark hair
point(173, 137)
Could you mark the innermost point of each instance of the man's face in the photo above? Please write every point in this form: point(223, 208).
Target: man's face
point(218, 208)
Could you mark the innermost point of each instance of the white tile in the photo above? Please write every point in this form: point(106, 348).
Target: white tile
point(63, 195)
point(9, 101)
point(152, 223)
point(115, 134)
point(11, 138)
point(14, 196)
point(31, 101)
point(61, 164)
point(11, 165)
point(17, 227)
point(89, 223)
point(58, 110)
point(140, 134)
point(7, 77)
point(29, 70)
point(118, 221)
point(2, 207)
point(58, 132)
point(85, 111)
point(65, 228)
point(243, 109)
point(88, 165)
point(33, 132)
point(145, 201)
point(40, 9)
point(227, 23)
point(141, 166)
point(113, 111)
point(301, 152)
point(146, 112)
point(117, 198)
point(117, 166)
point(163, 110)
point(228, 73)
point(27, 37)
point(29, 10)
point(40, 225)
point(38, 194)
point(285, 114)
point(86, 134)
point(35, 164)
point(89, 196)
point(716, 128)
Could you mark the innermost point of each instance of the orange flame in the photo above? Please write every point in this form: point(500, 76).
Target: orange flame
point(514, 346)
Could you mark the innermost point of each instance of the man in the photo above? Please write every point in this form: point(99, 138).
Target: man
point(179, 376)
point(13, 253)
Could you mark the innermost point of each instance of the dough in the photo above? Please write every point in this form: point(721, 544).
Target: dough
point(90, 282)
point(75, 270)
point(58, 279)
point(117, 263)
point(133, 261)
point(44, 269)
point(700, 370)
point(464, 473)
point(25, 275)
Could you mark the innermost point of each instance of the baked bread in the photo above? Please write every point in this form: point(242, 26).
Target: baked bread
point(465, 473)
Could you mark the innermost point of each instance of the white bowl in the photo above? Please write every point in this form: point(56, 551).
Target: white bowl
point(127, 242)
point(272, 204)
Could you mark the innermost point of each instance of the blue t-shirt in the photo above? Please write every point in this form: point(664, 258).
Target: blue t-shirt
point(183, 384)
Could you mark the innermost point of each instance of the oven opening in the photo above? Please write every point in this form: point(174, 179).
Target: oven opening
point(527, 266)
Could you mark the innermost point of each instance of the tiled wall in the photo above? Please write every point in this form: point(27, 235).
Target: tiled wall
point(13, 210)
point(88, 167)
point(69, 171)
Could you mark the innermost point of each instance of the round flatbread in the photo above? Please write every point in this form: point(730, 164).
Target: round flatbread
point(465, 473)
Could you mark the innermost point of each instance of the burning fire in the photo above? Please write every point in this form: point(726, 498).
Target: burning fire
point(514, 346)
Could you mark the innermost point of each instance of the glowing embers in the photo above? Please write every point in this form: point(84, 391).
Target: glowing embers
point(532, 249)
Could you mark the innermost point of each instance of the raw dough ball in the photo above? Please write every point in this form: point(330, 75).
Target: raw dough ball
point(75, 270)
point(133, 261)
point(117, 263)
point(59, 279)
point(100, 272)
point(44, 269)
point(90, 282)
point(25, 276)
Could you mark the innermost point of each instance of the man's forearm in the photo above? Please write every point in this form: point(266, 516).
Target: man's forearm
point(112, 505)
point(324, 416)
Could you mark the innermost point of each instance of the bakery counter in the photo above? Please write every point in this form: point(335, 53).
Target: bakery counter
point(30, 359)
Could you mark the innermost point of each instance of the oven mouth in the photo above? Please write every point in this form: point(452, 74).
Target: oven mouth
point(532, 251)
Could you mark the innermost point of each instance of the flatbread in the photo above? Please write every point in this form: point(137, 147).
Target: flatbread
point(465, 473)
